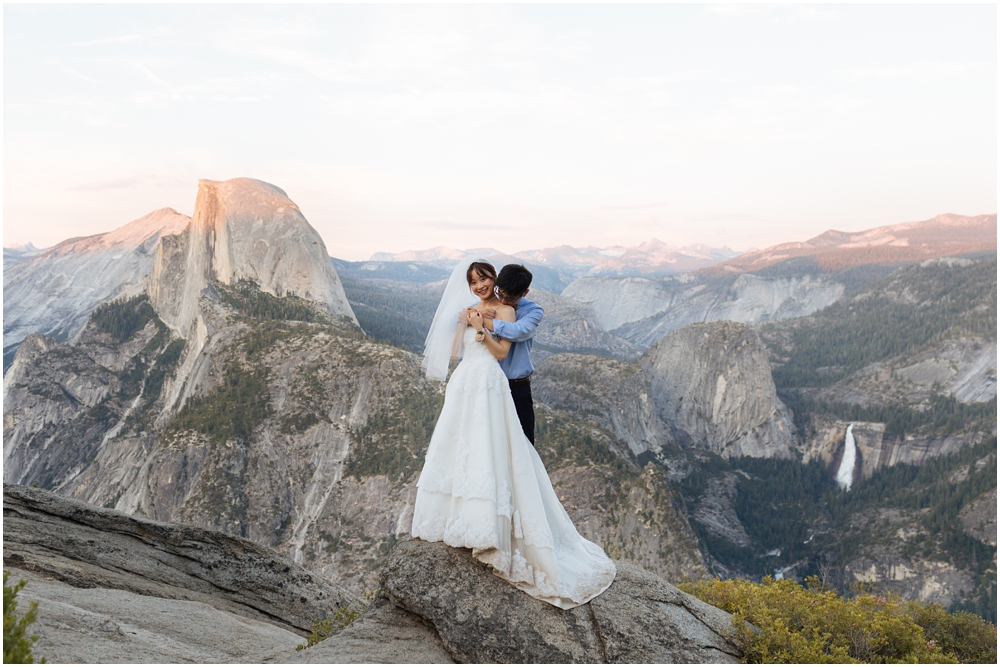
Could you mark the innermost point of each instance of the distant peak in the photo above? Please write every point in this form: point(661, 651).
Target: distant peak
point(242, 186)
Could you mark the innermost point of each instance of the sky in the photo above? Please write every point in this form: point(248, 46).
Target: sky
point(522, 126)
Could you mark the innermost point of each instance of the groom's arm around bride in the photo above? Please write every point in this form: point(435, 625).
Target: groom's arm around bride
point(512, 286)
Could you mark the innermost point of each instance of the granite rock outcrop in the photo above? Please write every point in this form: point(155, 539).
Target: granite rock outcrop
point(572, 326)
point(877, 449)
point(712, 385)
point(116, 588)
point(334, 429)
point(614, 393)
point(477, 617)
point(242, 229)
point(87, 546)
point(53, 292)
point(108, 626)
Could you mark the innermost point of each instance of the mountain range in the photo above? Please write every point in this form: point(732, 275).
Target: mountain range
point(652, 258)
point(941, 236)
point(54, 290)
point(222, 371)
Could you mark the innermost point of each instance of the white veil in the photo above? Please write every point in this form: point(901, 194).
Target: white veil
point(444, 338)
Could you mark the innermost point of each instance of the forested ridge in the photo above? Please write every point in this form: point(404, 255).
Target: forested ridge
point(903, 312)
point(395, 312)
point(944, 415)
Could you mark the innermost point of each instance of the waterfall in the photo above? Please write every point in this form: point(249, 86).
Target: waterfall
point(846, 472)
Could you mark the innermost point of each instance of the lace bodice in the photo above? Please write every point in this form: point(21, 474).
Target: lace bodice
point(476, 351)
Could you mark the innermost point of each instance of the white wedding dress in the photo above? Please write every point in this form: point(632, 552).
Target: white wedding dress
point(483, 487)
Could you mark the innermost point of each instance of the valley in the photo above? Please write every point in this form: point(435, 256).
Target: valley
point(223, 372)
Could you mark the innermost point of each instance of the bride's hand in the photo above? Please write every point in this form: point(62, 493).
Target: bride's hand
point(476, 319)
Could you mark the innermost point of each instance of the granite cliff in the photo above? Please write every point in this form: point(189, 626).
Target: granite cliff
point(304, 436)
point(706, 387)
point(236, 393)
point(54, 291)
point(242, 229)
point(712, 383)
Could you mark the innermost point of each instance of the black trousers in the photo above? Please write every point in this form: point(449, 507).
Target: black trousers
point(525, 410)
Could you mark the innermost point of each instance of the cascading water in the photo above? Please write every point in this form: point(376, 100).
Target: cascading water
point(845, 474)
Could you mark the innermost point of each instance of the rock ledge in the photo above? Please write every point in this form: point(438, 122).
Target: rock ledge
point(473, 616)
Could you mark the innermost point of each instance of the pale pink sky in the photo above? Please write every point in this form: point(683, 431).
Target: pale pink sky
point(516, 126)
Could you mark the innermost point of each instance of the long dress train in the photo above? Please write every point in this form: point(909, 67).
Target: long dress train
point(483, 487)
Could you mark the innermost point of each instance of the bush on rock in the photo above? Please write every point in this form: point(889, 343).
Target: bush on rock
point(780, 621)
point(16, 642)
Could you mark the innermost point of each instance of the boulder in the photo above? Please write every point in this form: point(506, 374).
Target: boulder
point(481, 618)
point(117, 588)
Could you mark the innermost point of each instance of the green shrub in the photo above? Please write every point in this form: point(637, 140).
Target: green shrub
point(16, 642)
point(322, 630)
point(783, 622)
point(963, 635)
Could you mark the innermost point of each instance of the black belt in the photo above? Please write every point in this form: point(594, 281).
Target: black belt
point(520, 382)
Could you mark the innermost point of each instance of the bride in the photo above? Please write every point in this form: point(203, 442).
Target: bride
point(483, 486)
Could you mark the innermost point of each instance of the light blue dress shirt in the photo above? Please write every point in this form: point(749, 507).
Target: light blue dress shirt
point(517, 364)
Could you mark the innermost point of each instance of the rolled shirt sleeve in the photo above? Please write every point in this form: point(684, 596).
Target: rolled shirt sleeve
point(521, 330)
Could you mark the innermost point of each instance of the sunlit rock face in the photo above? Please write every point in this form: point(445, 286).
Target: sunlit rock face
point(712, 384)
point(55, 291)
point(643, 310)
point(242, 229)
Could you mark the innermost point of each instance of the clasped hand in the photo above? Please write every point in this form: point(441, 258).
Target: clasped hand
point(476, 316)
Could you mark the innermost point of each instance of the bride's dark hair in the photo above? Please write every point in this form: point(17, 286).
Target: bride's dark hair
point(483, 268)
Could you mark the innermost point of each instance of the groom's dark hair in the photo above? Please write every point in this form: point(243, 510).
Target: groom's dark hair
point(514, 280)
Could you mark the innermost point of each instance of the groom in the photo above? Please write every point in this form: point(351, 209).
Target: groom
point(511, 287)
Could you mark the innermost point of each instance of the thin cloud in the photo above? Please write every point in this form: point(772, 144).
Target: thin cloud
point(65, 69)
point(449, 225)
point(915, 71)
point(98, 186)
point(633, 207)
point(148, 74)
point(109, 40)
